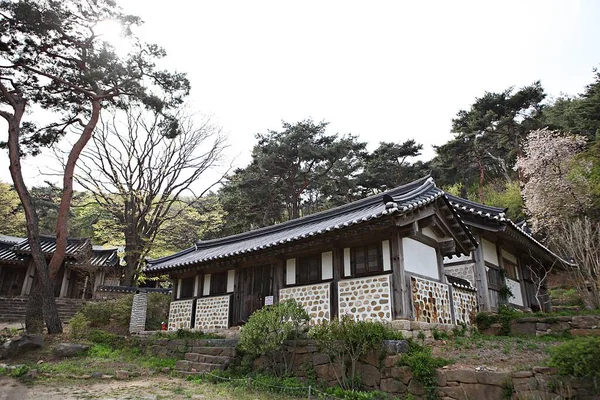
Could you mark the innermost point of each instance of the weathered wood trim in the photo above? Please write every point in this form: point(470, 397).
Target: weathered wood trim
point(400, 299)
point(278, 282)
point(338, 273)
point(481, 283)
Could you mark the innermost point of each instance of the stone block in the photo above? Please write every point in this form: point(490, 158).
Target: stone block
point(391, 385)
point(415, 388)
point(542, 326)
point(473, 391)
point(585, 332)
point(182, 365)
point(560, 327)
point(372, 357)
point(586, 322)
point(519, 327)
point(320, 358)
point(369, 375)
point(121, 374)
point(440, 376)
point(403, 374)
point(545, 370)
point(192, 356)
point(391, 360)
point(461, 375)
point(326, 372)
point(69, 349)
point(400, 325)
point(522, 374)
point(493, 378)
point(395, 346)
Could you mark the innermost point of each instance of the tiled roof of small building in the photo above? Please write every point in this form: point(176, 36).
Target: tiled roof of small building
point(468, 207)
point(8, 254)
point(401, 200)
point(48, 244)
point(104, 257)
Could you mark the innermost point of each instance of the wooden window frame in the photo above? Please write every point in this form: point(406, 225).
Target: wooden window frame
point(218, 283)
point(303, 272)
point(187, 287)
point(366, 247)
point(511, 269)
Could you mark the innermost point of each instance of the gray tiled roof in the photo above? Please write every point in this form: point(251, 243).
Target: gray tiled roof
point(8, 255)
point(48, 243)
point(102, 257)
point(489, 213)
point(405, 199)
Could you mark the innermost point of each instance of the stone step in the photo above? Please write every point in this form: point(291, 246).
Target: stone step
point(197, 367)
point(203, 358)
point(213, 351)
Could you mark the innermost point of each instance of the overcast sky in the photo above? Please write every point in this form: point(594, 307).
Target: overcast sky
point(382, 70)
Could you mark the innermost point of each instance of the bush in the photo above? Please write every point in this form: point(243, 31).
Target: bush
point(100, 313)
point(423, 364)
point(578, 357)
point(102, 337)
point(157, 311)
point(79, 326)
point(504, 316)
point(346, 340)
point(267, 330)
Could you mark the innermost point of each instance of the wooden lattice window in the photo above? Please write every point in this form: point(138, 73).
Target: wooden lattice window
point(308, 270)
point(218, 283)
point(511, 269)
point(367, 259)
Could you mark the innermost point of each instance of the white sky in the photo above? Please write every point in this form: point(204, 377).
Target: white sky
point(383, 70)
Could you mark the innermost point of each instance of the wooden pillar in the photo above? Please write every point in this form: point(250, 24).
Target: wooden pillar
point(277, 279)
point(481, 283)
point(400, 293)
point(28, 281)
point(338, 273)
point(64, 287)
point(237, 298)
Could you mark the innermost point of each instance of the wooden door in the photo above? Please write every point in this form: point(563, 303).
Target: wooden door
point(256, 283)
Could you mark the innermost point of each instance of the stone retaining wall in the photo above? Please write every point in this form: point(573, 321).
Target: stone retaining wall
point(314, 298)
point(578, 325)
point(380, 371)
point(177, 348)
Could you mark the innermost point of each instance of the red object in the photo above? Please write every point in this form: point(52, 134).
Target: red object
point(164, 326)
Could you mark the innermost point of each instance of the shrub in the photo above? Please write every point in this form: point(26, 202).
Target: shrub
point(79, 326)
point(345, 341)
point(158, 310)
point(423, 364)
point(578, 357)
point(102, 337)
point(100, 313)
point(504, 316)
point(267, 330)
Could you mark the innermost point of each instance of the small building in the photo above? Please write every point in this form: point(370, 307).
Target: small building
point(84, 269)
point(507, 259)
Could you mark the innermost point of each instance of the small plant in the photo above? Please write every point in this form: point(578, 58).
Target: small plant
point(79, 326)
point(460, 330)
point(504, 317)
point(269, 328)
point(423, 365)
point(439, 335)
point(508, 388)
point(345, 341)
point(578, 357)
point(421, 336)
point(102, 337)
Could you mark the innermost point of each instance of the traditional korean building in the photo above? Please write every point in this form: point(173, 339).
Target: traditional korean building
point(379, 259)
point(84, 269)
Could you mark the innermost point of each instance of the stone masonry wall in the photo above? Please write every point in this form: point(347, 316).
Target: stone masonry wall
point(366, 299)
point(577, 325)
point(465, 305)
point(180, 314)
point(464, 271)
point(314, 298)
point(139, 307)
point(379, 370)
point(212, 313)
point(431, 301)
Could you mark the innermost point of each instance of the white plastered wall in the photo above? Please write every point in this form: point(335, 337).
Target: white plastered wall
point(420, 258)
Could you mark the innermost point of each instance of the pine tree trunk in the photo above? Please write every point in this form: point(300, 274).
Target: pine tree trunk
point(34, 317)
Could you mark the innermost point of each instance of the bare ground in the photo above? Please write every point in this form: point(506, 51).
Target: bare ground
point(147, 388)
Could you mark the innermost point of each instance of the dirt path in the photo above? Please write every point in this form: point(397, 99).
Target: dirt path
point(154, 388)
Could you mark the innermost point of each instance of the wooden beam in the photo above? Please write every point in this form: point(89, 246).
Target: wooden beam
point(481, 283)
point(277, 279)
point(400, 297)
point(338, 273)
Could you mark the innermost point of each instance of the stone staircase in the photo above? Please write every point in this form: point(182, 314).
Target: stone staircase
point(13, 309)
point(206, 358)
